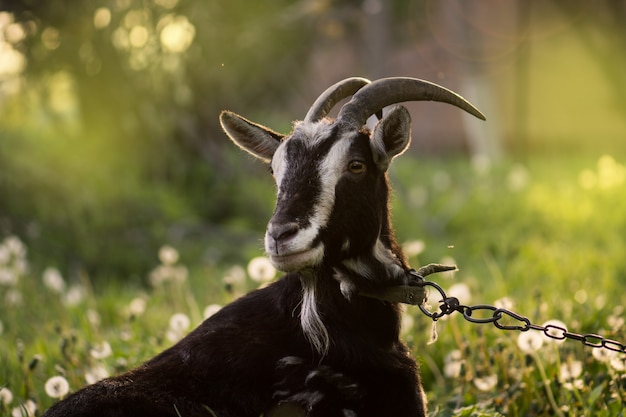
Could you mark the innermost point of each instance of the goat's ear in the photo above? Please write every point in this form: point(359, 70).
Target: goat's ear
point(249, 136)
point(391, 136)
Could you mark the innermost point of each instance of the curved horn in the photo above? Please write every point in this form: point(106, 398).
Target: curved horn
point(333, 94)
point(387, 91)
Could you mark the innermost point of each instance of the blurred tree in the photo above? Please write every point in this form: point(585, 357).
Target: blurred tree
point(117, 131)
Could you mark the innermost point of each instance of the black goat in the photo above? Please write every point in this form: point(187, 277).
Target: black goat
point(308, 344)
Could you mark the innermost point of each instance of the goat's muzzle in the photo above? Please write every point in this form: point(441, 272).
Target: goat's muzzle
point(290, 247)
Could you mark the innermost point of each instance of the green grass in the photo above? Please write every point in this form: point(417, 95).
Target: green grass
point(546, 236)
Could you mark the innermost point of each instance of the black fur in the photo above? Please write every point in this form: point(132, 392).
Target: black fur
point(233, 364)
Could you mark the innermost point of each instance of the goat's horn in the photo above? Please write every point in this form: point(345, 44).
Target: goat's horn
point(386, 91)
point(334, 94)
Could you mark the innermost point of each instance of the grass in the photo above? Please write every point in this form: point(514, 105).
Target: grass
point(545, 238)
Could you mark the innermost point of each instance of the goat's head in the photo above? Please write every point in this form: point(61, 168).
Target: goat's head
point(331, 173)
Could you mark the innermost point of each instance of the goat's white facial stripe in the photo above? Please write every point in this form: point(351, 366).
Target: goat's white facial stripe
point(329, 168)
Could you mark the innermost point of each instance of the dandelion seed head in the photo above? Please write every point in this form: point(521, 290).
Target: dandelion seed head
point(453, 364)
point(618, 362)
point(460, 291)
point(168, 273)
point(168, 255)
point(14, 297)
point(260, 269)
point(580, 296)
point(137, 306)
point(74, 295)
point(57, 387)
point(486, 383)
point(15, 246)
point(603, 355)
point(6, 396)
point(93, 317)
point(211, 310)
point(577, 384)
point(452, 369)
point(529, 342)
point(235, 275)
point(570, 370)
point(27, 409)
point(101, 350)
point(8, 277)
point(518, 178)
point(413, 248)
point(504, 302)
point(179, 322)
point(53, 280)
point(615, 321)
point(96, 373)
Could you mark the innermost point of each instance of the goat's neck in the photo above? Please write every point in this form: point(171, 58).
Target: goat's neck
point(330, 291)
point(378, 265)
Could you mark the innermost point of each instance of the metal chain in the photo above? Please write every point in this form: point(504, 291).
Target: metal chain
point(497, 316)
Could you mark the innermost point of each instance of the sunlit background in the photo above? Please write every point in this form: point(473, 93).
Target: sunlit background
point(110, 143)
point(123, 206)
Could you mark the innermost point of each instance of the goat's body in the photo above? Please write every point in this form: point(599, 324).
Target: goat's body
point(229, 364)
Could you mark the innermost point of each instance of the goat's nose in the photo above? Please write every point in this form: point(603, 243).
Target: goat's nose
point(282, 231)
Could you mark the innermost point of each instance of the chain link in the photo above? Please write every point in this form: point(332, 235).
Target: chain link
point(503, 318)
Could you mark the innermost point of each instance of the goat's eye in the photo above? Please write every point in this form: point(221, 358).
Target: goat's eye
point(356, 167)
point(270, 170)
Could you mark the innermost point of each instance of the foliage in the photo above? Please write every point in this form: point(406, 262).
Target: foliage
point(542, 241)
point(115, 130)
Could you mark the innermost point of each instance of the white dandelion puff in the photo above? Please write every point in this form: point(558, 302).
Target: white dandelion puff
point(460, 291)
point(57, 387)
point(179, 323)
point(413, 248)
point(453, 364)
point(211, 310)
point(168, 255)
point(569, 375)
point(53, 280)
point(504, 302)
point(137, 306)
point(74, 296)
point(234, 277)
point(518, 178)
point(486, 383)
point(529, 342)
point(101, 350)
point(570, 370)
point(260, 269)
point(8, 277)
point(96, 373)
point(26, 409)
point(6, 396)
point(603, 355)
point(93, 317)
point(15, 246)
point(618, 362)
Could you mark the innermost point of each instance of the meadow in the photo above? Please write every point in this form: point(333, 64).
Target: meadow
point(543, 237)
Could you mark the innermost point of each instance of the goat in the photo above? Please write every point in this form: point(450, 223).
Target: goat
point(310, 343)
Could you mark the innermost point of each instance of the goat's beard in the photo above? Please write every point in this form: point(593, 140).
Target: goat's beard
point(310, 320)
